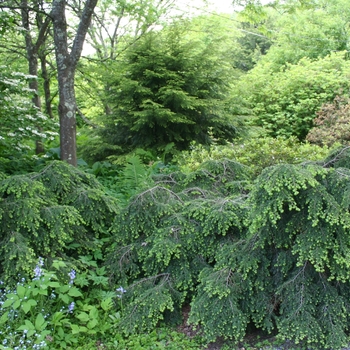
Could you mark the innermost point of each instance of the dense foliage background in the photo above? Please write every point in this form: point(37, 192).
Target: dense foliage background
point(211, 187)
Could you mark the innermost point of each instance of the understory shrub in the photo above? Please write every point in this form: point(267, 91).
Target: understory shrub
point(169, 233)
point(255, 153)
point(57, 212)
point(270, 252)
point(332, 123)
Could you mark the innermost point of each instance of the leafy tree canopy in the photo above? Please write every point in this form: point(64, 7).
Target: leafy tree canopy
point(285, 103)
point(299, 29)
point(21, 122)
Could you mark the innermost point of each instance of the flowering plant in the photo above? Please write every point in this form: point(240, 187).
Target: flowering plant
point(49, 312)
point(21, 121)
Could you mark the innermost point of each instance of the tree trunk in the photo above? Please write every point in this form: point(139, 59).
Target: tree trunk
point(46, 84)
point(32, 56)
point(66, 66)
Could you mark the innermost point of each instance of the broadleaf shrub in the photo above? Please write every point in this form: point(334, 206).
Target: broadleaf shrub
point(332, 123)
point(255, 153)
point(284, 103)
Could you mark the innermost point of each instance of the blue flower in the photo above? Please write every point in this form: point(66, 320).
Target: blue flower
point(38, 272)
point(71, 307)
point(120, 291)
point(71, 276)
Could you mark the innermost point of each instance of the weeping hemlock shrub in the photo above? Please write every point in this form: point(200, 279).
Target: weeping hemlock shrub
point(171, 232)
point(57, 213)
point(273, 253)
point(291, 273)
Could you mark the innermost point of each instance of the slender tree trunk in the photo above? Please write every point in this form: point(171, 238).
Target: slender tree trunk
point(66, 66)
point(46, 78)
point(32, 49)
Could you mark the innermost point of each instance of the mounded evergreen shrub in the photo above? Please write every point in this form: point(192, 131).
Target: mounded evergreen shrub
point(59, 212)
point(272, 252)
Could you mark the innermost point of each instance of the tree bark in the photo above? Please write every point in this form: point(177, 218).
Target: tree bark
point(66, 67)
point(46, 84)
point(32, 57)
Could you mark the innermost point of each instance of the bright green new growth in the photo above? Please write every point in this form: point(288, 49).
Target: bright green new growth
point(55, 213)
point(285, 102)
point(291, 272)
point(272, 252)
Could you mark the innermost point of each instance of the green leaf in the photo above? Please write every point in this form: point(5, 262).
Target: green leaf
point(56, 318)
point(57, 264)
point(92, 323)
point(4, 318)
point(75, 328)
point(74, 292)
point(8, 302)
point(83, 316)
point(27, 305)
point(27, 326)
point(78, 329)
point(107, 304)
point(93, 312)
point(64, 289)
point(16, 304)
point(21, 291)
point(40, 323)
point(53, 284)
point(64, 298)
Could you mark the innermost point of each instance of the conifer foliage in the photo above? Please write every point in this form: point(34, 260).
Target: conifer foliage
point(56, 213)
point(169, 233)
point(169, 88)
point(272, 253)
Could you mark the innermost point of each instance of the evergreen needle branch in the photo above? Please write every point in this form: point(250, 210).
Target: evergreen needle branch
point(336, 157)
point(195, 189)
point(152, 190)
point(85, 119)
point(154, 278)
point(341, 173)
point(42, 172)
point(125, 255)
